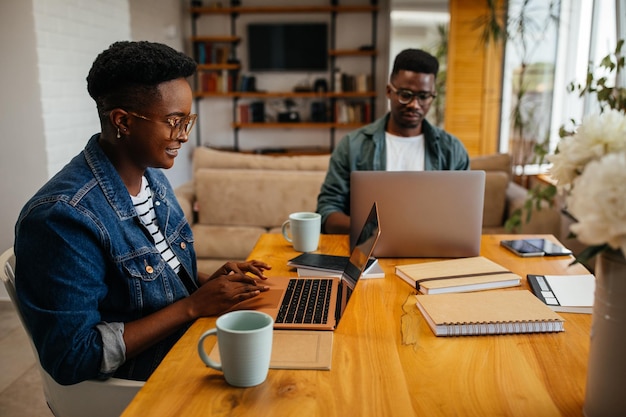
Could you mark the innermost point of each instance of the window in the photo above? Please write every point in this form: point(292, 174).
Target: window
point(586, 31)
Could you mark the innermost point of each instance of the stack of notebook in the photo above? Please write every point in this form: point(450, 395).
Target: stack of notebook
point(454, 303)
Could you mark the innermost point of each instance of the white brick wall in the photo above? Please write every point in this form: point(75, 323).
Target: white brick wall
point(70, 34)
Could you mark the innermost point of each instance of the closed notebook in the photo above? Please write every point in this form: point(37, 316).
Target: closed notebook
point(565, 293)
point(457, 275)
point(487, 313)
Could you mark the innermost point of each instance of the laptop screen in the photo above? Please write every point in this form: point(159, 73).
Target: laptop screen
point(363, 248)
point(358, 259)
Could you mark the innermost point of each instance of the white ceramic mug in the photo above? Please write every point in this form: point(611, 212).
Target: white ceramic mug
point(304, 230)
point(245, 344)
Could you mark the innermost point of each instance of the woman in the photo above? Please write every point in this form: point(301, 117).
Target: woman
point(106, 269)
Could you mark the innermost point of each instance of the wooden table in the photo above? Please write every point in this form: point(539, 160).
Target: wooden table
point(386, 360)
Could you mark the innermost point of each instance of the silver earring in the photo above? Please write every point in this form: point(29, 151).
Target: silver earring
point(118, 133)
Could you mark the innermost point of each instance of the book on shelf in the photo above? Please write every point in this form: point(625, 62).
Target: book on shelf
point(565, 293)
point(373, 271)
point(352, 111)
point(337, 81)
point(457, 275)
point(246, 83)
point(363, 83)
point(487, 313)
point(346, 83)
point(210, 53)
point(217, 81)
point(326, 263)
point(243, 113)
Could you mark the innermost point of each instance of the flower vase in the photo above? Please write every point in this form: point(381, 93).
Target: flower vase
point(606, 372)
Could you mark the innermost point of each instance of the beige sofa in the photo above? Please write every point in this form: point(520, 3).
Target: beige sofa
point(235, 197)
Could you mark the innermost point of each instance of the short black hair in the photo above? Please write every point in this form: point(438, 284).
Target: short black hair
point(127, 73)
point(415, 60)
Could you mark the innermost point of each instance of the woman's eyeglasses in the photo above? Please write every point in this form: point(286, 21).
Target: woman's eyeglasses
point(407, 96)
point(179, 125)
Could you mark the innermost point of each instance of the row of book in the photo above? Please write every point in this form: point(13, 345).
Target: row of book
point(348, 112)
point(237, 81)
point(223, 81)
point(251, 112)
point(218, 81)
point(211, 53)
point(345, 83)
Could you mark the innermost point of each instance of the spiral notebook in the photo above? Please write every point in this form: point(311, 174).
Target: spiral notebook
point(487, 313)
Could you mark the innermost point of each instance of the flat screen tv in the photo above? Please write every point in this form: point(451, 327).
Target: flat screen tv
point(287, 46)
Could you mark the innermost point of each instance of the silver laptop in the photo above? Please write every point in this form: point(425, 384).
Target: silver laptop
point(324, 299)
point(423, 214)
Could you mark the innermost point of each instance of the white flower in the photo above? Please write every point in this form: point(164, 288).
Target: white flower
point(598, 202)
point(590, 167)
point(599, 135)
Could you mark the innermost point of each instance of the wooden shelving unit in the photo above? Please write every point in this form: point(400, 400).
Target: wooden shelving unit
point(231, 67)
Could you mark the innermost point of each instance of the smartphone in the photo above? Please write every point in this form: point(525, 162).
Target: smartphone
point(535, 247)
point(549, 248)
point(521, 247)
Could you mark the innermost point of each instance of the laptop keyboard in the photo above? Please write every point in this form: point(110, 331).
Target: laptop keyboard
point(306, 301)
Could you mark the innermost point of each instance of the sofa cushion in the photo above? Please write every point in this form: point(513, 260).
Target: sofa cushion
point(250, 197)
point(210, 158)
point(496, 162)
point(497, 168)
point(225, 242)
point(496, 183)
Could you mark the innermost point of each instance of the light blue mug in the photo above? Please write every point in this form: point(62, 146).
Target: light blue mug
point(304, 230)
point(244, 339)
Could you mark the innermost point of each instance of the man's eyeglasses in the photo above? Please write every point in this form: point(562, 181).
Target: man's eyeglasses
point(179, 125)
point(407, 96)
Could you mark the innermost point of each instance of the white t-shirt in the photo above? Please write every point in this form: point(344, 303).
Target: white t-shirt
point(404, 153)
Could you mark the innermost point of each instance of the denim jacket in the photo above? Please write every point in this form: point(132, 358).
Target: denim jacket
point(85, 265)
point(364, 150)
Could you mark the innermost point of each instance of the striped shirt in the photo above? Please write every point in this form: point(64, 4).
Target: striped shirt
point(145, 210)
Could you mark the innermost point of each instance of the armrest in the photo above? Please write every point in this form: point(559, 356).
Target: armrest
point(186, 197)
point(546, 220)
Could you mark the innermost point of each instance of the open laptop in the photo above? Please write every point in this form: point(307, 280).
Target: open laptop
point(334, 293)
point(423, 214)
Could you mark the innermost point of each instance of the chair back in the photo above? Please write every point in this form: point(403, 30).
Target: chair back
point(91, 398)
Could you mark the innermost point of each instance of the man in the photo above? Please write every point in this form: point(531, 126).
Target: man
point(402, 140)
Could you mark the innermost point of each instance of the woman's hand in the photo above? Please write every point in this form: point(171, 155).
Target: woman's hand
point(229, 285)
point(254, 267)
